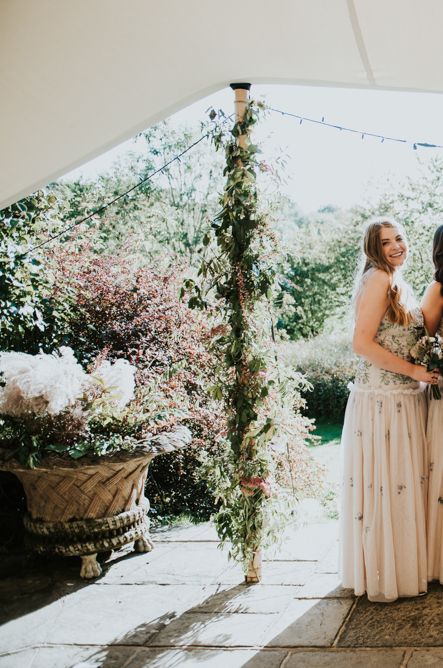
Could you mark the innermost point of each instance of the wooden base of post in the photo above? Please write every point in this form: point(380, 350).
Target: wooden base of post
point(254, 573)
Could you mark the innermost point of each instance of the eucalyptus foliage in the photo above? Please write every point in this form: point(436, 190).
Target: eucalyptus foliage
point(239, 274)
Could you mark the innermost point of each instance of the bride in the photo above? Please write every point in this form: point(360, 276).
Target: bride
point(383, 537)
point(432, 307)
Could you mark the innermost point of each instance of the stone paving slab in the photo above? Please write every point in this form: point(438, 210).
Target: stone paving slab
point(29, 630)
point(205, 531)
point(207, 658)
point(56, 657)
point(329, 563)
point(308, 543)
point(98, 615)
point(288, 572)
point(67, 656)
point(409, 622)
point(308, 623)
point(324, 585)
point(132, 567)
point(219, 630)
point(189, 564)
point(260, 598)
point(346, 659)
point(426, 657)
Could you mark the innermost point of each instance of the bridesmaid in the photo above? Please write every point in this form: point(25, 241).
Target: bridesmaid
point(432, 307)
point(383, 536)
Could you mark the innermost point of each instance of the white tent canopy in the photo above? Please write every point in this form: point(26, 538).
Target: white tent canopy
point(79, 77)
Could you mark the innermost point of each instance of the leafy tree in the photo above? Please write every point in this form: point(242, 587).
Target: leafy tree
point(417, 203)
point(167, 216)
point(317, 274)
point(30, 318)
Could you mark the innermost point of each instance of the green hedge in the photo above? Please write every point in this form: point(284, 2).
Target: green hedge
point(328, 363)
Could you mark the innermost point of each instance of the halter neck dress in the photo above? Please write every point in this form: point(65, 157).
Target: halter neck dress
point(383, 532)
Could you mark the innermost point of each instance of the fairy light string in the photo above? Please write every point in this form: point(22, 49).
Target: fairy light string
point(301, 119)
point(363, 133)
point(102, 208)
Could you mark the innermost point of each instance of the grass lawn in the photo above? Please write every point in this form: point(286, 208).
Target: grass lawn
point(328, 432)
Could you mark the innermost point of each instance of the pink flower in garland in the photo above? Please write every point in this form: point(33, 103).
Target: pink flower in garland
point(250, 485)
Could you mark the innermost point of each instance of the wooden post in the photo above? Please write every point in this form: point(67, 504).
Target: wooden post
point(241, 91)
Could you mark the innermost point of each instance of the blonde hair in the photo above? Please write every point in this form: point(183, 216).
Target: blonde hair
point(373, 258)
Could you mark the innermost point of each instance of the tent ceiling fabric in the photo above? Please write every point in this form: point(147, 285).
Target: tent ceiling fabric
point(77, 78)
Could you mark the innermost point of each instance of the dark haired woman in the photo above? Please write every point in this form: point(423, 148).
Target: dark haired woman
point(383, 535)
point(432, 306)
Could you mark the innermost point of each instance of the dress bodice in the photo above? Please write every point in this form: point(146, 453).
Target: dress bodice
point(398, 339)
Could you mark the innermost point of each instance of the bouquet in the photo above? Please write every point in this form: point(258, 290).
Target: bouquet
point(428, 351)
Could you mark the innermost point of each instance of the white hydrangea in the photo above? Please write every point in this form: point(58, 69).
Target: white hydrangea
point(40, 383)
point(118, 380)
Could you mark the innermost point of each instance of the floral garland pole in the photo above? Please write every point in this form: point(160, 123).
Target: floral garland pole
point(242, 276)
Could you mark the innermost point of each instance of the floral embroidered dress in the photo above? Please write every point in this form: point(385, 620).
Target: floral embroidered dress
point(435, 491)
point(383, 533)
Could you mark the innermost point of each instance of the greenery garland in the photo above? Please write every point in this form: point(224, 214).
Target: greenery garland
point(241, 273)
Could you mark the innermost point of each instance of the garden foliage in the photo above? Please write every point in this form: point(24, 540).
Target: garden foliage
point(317, 274)
point(136, 314)
point(328, 364)
point(30, 318)
point(93, 300)
point(167, 216)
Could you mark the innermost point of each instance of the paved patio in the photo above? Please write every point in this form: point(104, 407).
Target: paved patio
point(184, 604)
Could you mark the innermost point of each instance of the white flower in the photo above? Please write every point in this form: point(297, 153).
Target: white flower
point(118, 379)
point(40, 383)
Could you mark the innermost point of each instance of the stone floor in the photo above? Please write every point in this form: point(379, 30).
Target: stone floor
point(185, 604)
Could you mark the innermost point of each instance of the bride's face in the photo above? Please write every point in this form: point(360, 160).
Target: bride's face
point(394, 246)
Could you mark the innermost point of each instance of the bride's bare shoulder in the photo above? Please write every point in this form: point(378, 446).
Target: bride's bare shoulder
point(376, 278)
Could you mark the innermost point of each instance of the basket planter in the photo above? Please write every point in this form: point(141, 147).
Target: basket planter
point(84, 507)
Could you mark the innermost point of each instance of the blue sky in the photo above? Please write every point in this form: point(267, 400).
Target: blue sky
point(326, 166)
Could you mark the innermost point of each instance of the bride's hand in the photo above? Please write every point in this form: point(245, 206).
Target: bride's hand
point(420, 374)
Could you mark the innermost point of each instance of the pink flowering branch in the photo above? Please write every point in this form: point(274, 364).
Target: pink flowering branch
point(250, 485)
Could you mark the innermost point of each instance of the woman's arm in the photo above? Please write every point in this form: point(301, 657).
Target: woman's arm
point(432, 307)
point(371, 307)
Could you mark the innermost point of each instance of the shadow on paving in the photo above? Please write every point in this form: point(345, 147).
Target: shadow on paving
point(29, 582)
point(372, 635)
point(184, 605)
point(223, 626)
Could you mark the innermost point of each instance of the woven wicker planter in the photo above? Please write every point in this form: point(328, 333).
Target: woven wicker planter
point(89, 507)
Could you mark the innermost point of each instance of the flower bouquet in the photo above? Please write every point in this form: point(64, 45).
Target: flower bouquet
point(428, 351)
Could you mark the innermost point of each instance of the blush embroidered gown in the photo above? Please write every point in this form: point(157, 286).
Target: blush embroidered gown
point(383, 531)
point(435, 492)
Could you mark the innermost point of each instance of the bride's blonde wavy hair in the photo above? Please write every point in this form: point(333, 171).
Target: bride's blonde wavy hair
point(373, 258)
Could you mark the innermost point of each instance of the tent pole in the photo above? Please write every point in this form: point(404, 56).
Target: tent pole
point(241, 92)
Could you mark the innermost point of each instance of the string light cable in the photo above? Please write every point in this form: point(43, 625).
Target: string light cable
point(123, 194)
point(301, 119)
point(363, 133)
